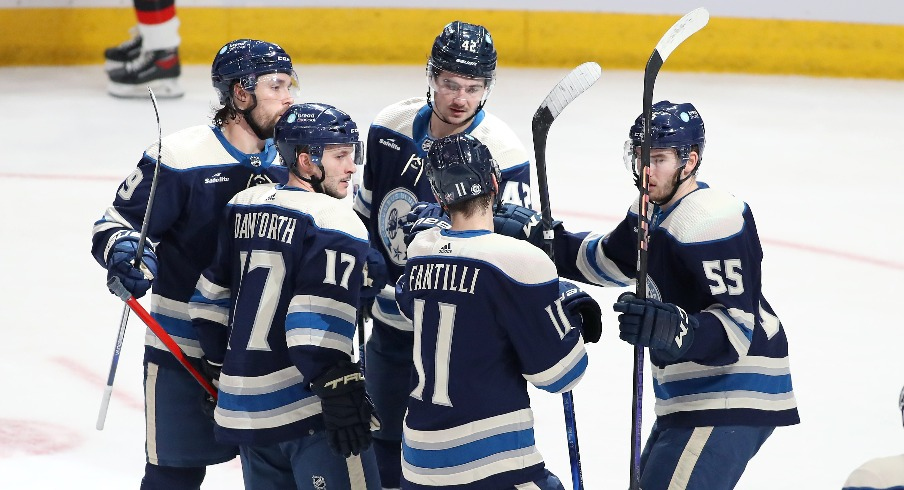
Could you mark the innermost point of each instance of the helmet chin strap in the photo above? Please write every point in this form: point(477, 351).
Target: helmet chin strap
point(246, 113)
point(678, 182)
point(316, 183)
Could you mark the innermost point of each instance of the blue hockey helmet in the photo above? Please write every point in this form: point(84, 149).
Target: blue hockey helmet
point(677, 126)
point(459, 168)
point(243, 61)
point(465, 49)
point(311, 127)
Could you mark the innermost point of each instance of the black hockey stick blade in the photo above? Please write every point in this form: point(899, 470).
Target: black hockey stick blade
point(568, 89)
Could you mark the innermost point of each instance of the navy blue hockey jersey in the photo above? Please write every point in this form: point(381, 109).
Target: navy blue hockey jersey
point(487, 319)
point(394, 179)
point(704, 256)
point(199, 172)
point(278, 307)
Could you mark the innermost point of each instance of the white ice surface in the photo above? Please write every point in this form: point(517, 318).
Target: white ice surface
point(816, 159)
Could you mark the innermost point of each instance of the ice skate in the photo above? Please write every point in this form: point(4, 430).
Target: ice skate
point(159, 70)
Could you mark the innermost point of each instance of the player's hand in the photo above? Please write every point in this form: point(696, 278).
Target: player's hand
point(521, 223)
point(347, 411)
point(663, 327)
point(375, 274)
point(423, 216)
point(122, 248)
point(582, 310)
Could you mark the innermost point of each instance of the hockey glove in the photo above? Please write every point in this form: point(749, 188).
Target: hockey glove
point(582, 310)
point(346, 408)
point(122, 247)
point(663, 327)
point(521, 223)
point(423, 216)
point(211, 372)
point(375, 274)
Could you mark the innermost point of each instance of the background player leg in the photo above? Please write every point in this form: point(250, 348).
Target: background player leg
point(389, 366)
point(150, 57)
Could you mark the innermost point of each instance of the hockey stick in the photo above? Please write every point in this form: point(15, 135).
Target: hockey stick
point(678, 33)
point(568, 89)
point(362, 313)
point(119, 290)
point(142, 237)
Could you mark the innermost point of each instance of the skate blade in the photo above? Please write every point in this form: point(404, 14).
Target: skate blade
point(163, 89)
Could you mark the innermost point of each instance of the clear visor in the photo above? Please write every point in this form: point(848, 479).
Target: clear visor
point(345, 151)
point(275, 86)
point(453, 85)
point(658, 159)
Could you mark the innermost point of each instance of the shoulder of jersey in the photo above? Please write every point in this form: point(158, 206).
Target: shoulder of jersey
point(400, 116)
point(706, 215)
point(504, 145)
point(196, 146)
point(517, 259)
point(327, 212)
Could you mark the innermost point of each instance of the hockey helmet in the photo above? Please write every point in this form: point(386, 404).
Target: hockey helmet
point(243, 61)
point(677, 126)
point(465, 49)
point(459, 168)
point(312, 127)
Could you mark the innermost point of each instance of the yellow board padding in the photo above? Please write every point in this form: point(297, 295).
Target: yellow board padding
point(64, 36)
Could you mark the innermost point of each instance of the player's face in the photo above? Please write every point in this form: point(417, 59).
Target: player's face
point(275, 94)
point(456, 98)
point(339, 164)
point(664, 168)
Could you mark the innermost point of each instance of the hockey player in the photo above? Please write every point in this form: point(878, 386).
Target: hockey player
point(461, 73)
point(719, 353)
point(201, 168)
point(276, 312)
point(469, 424)
point(150, 58)
point(880, 473)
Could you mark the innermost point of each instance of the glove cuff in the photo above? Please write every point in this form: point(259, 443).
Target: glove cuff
point(344, 378)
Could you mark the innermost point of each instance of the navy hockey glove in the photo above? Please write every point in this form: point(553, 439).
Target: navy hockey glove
point(423, 216)
point(582, 310)
point(122, 247)
point(663, 327)
point(346, 408)
point(375, 274)
point(521, 223)
point(211, 372)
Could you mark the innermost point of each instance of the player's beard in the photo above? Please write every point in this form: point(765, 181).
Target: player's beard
point(265, 123)
point(330, 187)
point(666, 189)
